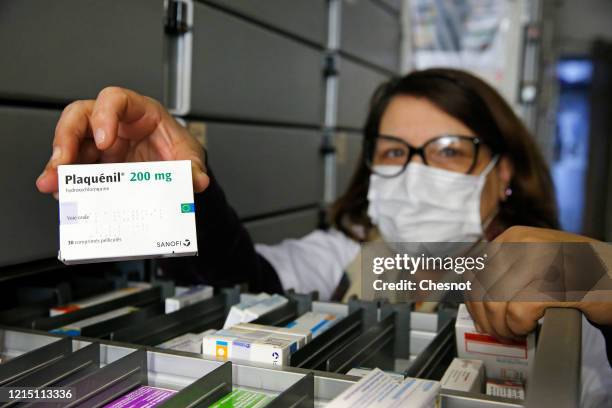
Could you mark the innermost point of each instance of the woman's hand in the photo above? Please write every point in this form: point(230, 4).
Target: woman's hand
point(120, 126)
point(533, 234)
point(514, 319)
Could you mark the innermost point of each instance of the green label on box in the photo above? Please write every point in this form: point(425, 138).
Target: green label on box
point(243, 399)
point(187, 207)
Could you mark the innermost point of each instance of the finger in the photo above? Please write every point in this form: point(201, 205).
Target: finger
point(497, 265)
point(514, 234)
point(522, 317)
point(522, 265)
point(47, 181)
point(71, 129)
point(115, 106)
point(117, 152)
point(480, 318)
point(88, 152)
point(198, 173)
point(189, 149)
point(496, 316)
point(200, 178)
point(599, 312)
point(469, 308)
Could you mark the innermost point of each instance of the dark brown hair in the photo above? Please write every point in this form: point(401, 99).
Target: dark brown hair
point(477, 105)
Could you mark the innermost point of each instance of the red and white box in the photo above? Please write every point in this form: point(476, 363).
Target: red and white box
point(506, 389)
point(502, 361)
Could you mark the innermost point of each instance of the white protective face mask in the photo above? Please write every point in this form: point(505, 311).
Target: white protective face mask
point(426, 204)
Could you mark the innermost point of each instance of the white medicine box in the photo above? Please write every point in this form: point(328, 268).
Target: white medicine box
point(123, 211)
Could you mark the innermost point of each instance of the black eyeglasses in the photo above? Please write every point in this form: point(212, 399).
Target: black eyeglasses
point(388, 156)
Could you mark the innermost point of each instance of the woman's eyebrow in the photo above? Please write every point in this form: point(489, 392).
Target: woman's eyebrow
point(449, 134)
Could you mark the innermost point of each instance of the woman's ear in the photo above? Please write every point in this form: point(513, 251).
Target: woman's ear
point(505, 171)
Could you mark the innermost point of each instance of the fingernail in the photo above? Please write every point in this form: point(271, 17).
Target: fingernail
point(57, 153)
point(99, 136)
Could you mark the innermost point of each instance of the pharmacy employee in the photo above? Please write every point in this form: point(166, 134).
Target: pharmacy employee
point(438, 165)
point(444, 159)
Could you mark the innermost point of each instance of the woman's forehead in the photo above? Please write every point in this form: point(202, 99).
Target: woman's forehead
point(417, 120)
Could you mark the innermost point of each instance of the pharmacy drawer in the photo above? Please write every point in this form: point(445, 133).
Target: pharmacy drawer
point(175, 370)
point(379, 44)
point(241, 70)
point(553, 381)
point(356, 85)
point(28, 218)
point(62, 50)
point(303, 18)
point(275, 229)
point(265, 169)
point(348, 151)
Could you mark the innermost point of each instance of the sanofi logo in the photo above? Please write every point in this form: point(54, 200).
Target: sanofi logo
point(162, 244)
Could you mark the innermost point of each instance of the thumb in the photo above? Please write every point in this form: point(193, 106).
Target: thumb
point(200, 178)
point(186, 147)
point(522, 317)
point(189, 149)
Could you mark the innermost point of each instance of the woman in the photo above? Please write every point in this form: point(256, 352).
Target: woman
point(445, 159)
point(470, 165)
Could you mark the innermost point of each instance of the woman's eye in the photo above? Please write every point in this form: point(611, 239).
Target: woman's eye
point(448, 152)
point(393, 153)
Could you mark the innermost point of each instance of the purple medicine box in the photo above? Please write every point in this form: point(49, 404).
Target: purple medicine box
point(143, 397)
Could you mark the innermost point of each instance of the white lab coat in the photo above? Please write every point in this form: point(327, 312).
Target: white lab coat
point(314, 262)
point(596, 373)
